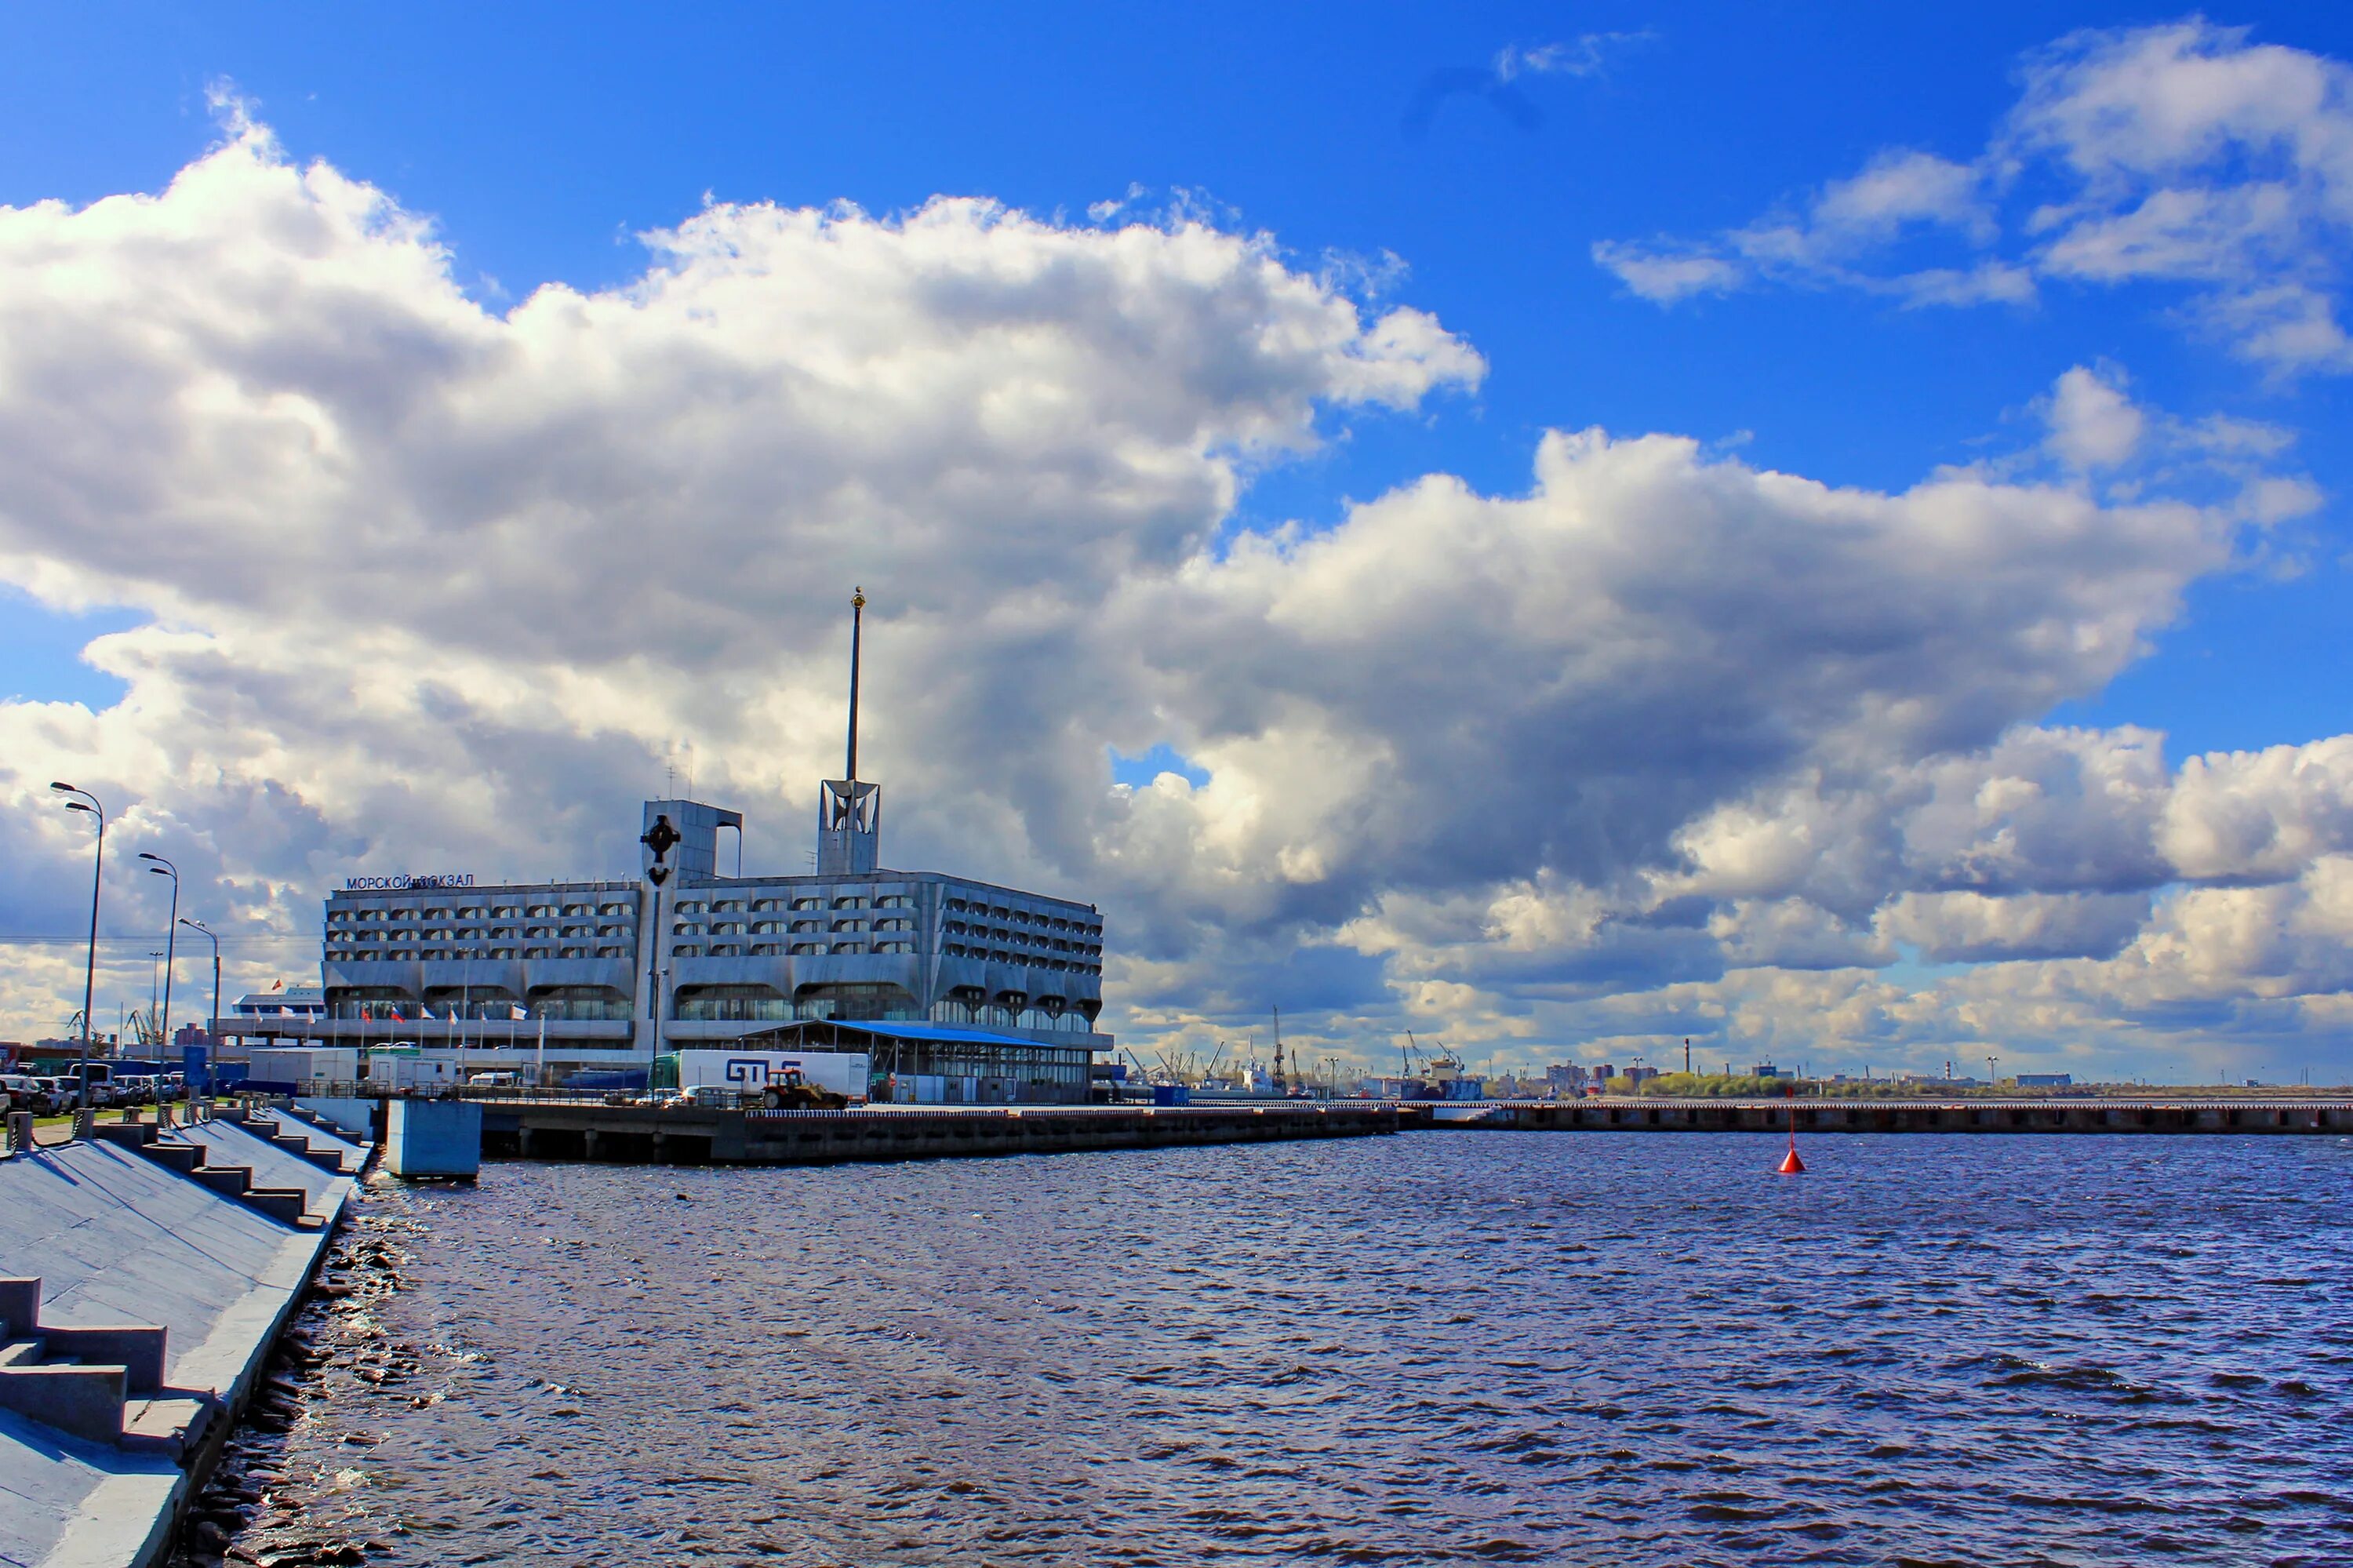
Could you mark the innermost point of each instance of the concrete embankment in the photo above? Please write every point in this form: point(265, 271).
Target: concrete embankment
point(148, 1270)
point(2148, 1116)
point(586, 1131)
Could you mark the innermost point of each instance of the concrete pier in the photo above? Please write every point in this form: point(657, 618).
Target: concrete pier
point(150, 1271)
point(639, 1133)
point(2274, 1117)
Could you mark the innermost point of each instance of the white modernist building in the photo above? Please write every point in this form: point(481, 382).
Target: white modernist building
point(1001, 986)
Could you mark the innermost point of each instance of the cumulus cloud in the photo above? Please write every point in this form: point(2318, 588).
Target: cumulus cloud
point(1663, 740)
point(2184, 153)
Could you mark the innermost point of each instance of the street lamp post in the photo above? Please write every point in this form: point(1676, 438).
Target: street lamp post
point(212, 1040)
point(171, 938)
point(88, 802)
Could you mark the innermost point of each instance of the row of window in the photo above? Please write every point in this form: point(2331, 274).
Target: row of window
point(1019, 938)
point(779, 927)
point(336, 953)
point(779, 950)
point(1028, 961)
point(1020, 917)
point(365, 915)
point(804, 902)
point(485, 933)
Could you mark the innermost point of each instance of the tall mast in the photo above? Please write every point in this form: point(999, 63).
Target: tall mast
point(857, 627)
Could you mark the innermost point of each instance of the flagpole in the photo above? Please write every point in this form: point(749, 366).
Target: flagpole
point(539, 1074)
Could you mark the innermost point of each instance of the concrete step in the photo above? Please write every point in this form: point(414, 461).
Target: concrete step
point(170, 1423)
point(20, 1305)
point(183, 1158)
point(130, 1135)
point(228, 1180)
point(287, 1205)
point(22, 1352)
point(84, 1402)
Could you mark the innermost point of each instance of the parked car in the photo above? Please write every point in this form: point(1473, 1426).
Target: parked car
point(21, 1092)
point(65, 1095)
point(495, 1081)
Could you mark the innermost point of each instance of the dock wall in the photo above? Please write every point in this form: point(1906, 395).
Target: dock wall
point(2137, 1117)
point(580, 1132)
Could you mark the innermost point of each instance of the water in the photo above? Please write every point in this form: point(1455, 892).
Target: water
point(1445, 1346)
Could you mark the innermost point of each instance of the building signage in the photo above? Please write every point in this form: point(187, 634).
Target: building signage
point(401, 884)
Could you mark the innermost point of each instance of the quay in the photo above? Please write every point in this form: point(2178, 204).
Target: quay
point(583, 1130)
point(149, 1268)
point(2281, 1117)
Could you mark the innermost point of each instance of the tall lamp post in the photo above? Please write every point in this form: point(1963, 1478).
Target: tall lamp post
point(171, 938)
point(212, 1023)
point(88, 802)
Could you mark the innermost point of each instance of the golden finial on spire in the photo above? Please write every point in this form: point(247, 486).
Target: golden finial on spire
point(858, 599)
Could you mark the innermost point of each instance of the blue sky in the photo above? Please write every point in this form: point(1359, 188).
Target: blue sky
point(540, 139)
point(1221, 583)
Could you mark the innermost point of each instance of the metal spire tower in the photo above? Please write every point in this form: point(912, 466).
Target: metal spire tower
point(849, 813)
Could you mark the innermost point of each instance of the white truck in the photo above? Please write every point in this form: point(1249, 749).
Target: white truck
point(752, 1073)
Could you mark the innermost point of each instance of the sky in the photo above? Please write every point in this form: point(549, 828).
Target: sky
point(1557, 528)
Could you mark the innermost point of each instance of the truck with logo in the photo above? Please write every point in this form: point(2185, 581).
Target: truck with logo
point(767, 1080)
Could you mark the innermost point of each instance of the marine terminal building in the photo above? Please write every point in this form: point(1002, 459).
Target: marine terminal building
point(989, 992)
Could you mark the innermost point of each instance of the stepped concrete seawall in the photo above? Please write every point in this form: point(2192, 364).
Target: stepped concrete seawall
point(144, 1273)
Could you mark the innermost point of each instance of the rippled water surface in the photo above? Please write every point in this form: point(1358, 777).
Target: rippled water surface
point(1442, 1347)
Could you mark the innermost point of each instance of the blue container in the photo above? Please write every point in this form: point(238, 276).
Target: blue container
point(1171, 1094)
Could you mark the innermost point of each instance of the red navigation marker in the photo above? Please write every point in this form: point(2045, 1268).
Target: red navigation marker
point(1790, 1164)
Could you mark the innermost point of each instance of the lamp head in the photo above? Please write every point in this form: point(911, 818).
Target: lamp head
point(162, 871)
point(67, 788)
point(76, 806)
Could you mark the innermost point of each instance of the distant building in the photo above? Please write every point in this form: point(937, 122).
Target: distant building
point(1637, 1076)
point(1764, 1070)
point(1003, 985)
point(2046, 1080)
point(1565, 1077)
point(1603, 1071)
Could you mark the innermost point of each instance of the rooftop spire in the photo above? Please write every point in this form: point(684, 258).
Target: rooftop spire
point(857, 626)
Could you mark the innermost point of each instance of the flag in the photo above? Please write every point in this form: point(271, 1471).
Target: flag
point(278, 985)
point(517, 1014)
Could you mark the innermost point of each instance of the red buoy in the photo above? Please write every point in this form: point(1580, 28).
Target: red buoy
point(1790, 1164)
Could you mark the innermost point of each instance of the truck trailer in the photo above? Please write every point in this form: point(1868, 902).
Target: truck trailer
point(750, 1073)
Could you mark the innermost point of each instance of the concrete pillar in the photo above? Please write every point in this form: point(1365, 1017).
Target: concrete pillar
point(85, 1119)
point(588, 1144)
point(20, 1132)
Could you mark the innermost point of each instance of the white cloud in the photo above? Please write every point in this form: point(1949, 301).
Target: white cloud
point(1587, 55)
point(2092, 423)
point(2182, 154)
point(1649, 745)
